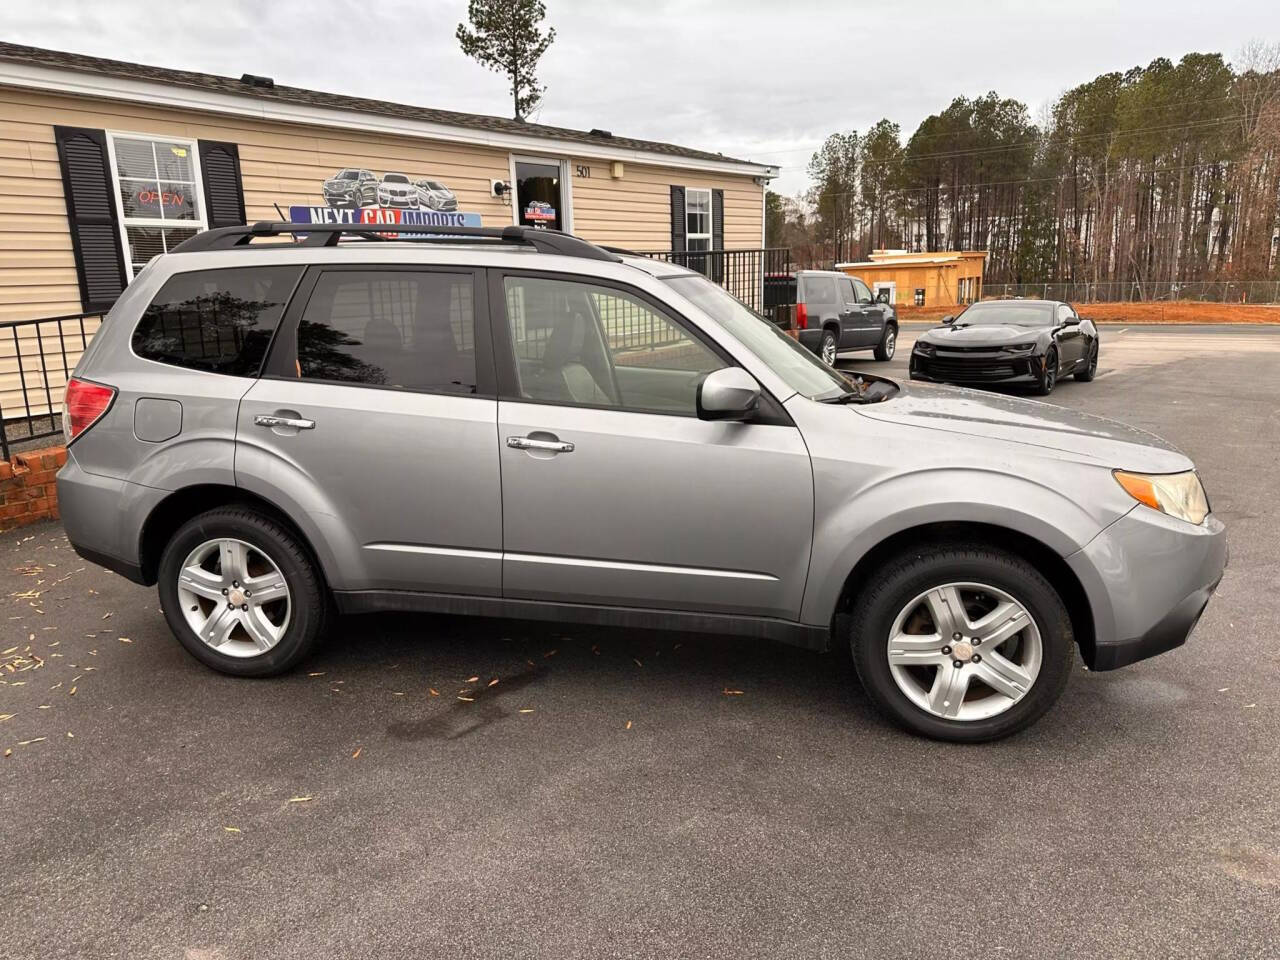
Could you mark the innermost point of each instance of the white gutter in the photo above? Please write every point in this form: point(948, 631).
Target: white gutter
point(102, 86)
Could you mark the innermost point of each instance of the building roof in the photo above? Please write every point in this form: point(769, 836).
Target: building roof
point(281, 94)
point(898, 259)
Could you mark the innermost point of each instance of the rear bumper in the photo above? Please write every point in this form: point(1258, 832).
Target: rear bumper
point(1149, 577)
point(103, 517)
point(810, 339)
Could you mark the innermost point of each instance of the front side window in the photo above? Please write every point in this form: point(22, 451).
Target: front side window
point(220, 321)
point(697, 212)
point(582, 344)
point(157, 186)
point(846, 290)
point(411, 330)
point(862, 290)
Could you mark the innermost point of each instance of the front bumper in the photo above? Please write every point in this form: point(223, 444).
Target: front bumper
point(985, 367)
point(1148, 577)
point(398, 203)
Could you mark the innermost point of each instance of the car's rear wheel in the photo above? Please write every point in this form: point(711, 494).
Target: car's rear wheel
point(241, 594)
point(1091, 368)
point(1048, 374)
point(828, 349)
point(961, 643)
point(888, 343)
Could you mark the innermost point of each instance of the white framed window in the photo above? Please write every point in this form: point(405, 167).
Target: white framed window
point(697, 216)
point(158, 194)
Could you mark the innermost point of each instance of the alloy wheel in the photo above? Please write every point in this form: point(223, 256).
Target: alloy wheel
point(829, 350)
point(964, 651)
point(890, 343)
point(234, 597)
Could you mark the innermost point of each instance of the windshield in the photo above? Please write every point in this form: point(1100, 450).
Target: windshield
point(1014, 314)
point(348, 175)
point(433, 185)
point(803, 372)
point(395, 178)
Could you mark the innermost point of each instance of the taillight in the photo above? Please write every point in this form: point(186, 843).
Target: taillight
point(802, 317)
point(86, 402)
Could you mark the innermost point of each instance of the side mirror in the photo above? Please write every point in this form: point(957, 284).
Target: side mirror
point(882, 296)
point(729, 393)
point(948, 320)
point(1071, 321)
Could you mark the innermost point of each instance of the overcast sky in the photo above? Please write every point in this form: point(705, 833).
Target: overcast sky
point(765, 81)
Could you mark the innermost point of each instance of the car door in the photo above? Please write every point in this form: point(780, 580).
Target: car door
point(377, 417)
point(870, 318)
point(1069, 336)
point(852, 319)
point(613, 491)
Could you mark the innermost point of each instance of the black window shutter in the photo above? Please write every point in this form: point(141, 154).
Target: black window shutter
point(91, 212)
point(679, 225)
point(717, 219)
point(223, 188)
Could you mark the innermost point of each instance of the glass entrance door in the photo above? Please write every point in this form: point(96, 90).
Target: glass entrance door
point(538, 197)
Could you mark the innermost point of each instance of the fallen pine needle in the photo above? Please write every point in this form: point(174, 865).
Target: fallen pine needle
point(433, 691)
point(526, 709)
point(23, 743)
point(357, 753)
point(468, 699)
point(637, 661)
point(122, 640)
point(231, 829)
point(472, 679)
point(732, 693)
point(493, 681)
point(319, 674)
point(106, 616)
point(299, 799)
point(7, 716)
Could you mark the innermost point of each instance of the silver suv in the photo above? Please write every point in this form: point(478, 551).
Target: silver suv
point(515, 422)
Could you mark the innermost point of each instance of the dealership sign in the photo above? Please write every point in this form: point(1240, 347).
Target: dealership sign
point(427, 218)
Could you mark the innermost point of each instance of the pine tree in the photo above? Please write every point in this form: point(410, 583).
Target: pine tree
point(505, 36)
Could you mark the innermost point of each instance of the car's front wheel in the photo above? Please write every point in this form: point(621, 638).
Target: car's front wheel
point(1091, 368)
point(888, 343)
point(241, 594)
point(1048, 373)
point(962, 643)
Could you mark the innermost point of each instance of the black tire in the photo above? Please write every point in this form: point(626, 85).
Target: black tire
point(888, 345)
point(906, 576)
point(310, 602)
point(828, 347)
point(1091, 368)
point(1049, 375)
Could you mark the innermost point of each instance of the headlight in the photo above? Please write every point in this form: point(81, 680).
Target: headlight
point(1179, 495)
point(925, 349)
point(1021, 347)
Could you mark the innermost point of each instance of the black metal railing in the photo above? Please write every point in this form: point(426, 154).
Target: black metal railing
point(36, 360)
point(741, 272)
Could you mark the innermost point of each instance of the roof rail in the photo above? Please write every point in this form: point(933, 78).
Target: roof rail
point(328, 235)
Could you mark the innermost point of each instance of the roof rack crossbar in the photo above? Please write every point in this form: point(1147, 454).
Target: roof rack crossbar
point(328, 234)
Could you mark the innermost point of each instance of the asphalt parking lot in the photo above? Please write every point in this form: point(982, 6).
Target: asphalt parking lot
point(649, 794)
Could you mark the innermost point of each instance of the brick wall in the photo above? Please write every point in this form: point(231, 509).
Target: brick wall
point(27, 486)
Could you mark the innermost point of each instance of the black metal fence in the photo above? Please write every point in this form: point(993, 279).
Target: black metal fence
point(741, 272)
point(36, 360)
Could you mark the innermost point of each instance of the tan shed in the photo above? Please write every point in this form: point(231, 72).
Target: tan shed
point(923, 279)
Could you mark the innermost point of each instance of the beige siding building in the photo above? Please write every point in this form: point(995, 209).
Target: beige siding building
point(104, 165)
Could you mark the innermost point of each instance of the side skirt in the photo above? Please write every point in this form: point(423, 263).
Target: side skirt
point(764, 628)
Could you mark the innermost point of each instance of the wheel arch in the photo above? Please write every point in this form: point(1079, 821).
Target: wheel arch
point(180, 506)
point(1035, 551)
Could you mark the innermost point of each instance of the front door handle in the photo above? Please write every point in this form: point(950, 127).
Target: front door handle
point(270, 420)
point(528, 443)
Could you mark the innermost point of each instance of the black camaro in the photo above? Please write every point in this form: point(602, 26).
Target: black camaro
point(1009, 341)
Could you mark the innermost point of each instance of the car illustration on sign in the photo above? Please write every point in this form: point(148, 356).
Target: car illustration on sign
point(396, 190)
point(351, 187)
point(434, 195)
point(538, 210)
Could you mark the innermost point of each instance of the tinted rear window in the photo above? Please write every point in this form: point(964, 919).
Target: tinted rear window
point(820, 290)
point(220, 321)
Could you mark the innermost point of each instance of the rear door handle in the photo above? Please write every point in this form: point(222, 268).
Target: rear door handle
point(270, 420)
point(528, 443)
